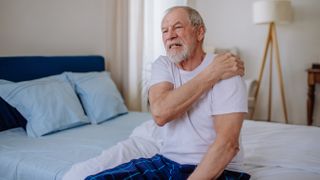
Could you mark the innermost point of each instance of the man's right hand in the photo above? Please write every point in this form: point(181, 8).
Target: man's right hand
point(225, 66)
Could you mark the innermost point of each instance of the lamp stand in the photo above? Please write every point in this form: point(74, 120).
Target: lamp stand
point(273, 43)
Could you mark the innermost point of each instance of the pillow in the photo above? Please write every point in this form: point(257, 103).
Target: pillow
point(2, 81)
point(49, 104)
point(10, 117)
point(99, 95)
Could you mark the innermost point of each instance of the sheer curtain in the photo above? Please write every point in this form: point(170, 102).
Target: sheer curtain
point(153, 46)
point(138, 44)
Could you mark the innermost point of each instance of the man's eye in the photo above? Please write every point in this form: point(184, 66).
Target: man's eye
point(165, 31)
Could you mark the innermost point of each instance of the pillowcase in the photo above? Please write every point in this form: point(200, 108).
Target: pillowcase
point(99, 95)
point(3, 81)
point(49, 104)
point(10, 117)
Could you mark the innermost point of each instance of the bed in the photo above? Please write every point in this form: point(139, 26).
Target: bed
point(272, 150)
point(43, 155)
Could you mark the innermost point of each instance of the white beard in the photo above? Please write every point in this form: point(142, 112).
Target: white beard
point(177, 57)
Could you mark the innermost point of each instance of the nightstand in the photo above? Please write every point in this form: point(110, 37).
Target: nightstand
point(313, 79)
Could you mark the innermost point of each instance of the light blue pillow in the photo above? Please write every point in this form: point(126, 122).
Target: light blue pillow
point(49, 104)
point(3, 81)
point(99, 95)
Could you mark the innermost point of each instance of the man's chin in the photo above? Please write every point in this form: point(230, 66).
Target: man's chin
point(177, 57)
point(175, 60)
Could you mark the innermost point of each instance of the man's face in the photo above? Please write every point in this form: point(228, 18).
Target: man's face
point(178, 35)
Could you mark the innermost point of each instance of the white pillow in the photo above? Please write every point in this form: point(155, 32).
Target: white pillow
point(49, 104)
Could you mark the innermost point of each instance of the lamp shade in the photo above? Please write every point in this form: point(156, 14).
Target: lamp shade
point(277, 11)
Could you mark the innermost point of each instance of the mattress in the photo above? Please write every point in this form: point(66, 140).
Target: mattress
point(272, 150)
point(281, 151)
point(50, 156)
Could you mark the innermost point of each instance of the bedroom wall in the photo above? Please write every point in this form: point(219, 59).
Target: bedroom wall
point(59, 27)
point(229, 24)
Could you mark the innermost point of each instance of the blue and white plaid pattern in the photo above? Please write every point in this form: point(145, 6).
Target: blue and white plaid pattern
point(157, 167)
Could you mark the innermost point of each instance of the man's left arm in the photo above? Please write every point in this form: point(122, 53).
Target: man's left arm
point(224, 148)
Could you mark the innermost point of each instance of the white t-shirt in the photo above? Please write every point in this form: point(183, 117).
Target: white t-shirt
point(188, 138)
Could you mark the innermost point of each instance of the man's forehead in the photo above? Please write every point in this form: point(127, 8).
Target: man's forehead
point(175, 16)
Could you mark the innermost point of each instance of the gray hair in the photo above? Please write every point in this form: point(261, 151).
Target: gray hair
point(194, 16)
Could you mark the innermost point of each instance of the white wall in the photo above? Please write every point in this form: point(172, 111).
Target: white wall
point(60, 27)
point(56, 27)
point(229, 23)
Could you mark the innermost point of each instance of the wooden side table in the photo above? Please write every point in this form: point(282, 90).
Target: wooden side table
point(313, 78)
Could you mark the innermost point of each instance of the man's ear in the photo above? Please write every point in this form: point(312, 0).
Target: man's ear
point(201, 32)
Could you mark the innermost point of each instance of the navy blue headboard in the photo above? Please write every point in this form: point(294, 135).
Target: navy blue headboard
point(22, 68)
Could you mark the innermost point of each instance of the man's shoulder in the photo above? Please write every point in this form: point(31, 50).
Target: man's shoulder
point(235, 83)
point(163, 61)
point(162, 58)
point(232, 80)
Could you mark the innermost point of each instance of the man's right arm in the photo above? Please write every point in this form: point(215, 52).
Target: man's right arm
point(167, 103)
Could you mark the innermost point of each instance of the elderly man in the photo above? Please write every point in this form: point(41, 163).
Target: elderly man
point(199, 100)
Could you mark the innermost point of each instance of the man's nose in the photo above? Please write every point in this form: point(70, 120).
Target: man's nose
point(171, 35)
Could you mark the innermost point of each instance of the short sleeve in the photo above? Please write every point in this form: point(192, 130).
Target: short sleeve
point(161, 71)
point(229, 96)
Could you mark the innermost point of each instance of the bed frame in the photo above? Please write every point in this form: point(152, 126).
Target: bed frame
point(22, 68)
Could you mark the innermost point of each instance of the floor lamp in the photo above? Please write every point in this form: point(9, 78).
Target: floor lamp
point(271, 12)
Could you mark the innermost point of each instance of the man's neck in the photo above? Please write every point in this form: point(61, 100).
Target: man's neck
point(193, 61)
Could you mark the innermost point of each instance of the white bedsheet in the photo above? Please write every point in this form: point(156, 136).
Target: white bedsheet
point(279, 173)
point(278, 151)
point(141, 143)
point(272, 151)
point(50, 156)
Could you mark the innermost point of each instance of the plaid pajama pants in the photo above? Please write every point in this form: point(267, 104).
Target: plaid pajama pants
point(157, 167)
